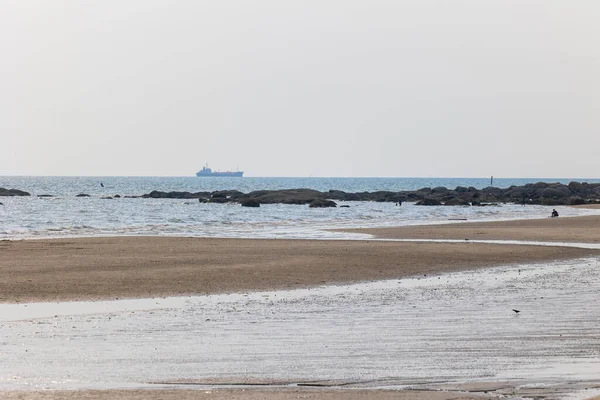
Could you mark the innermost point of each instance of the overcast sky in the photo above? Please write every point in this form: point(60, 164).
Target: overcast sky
point(298, 88)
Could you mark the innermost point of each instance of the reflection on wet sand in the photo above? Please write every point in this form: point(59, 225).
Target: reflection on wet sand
point(425, 332)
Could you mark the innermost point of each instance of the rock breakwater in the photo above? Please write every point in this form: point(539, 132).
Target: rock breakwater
point(536, 193)
point(542, 193)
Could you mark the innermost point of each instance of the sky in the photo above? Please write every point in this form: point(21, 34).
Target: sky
point(413, 88)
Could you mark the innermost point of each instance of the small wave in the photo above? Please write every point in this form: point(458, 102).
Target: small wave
point(69, 228)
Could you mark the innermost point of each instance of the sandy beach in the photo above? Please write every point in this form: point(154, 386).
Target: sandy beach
point(125, 267)
point(584, 229)
point(239, 394)
point(146, 267)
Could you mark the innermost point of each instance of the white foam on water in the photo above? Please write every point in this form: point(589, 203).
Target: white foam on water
point(28, 217)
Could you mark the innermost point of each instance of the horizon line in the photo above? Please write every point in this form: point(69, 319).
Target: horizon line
point(296, 177)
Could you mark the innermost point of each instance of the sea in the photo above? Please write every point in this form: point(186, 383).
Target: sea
point(65, 215)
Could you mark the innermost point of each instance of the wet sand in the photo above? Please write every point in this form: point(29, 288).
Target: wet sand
point(456, 328)
point(237, 394)
point(144, 267)
point(569, 230)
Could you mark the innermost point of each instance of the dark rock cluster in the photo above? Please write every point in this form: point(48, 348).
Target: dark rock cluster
point(534, 193)
point(13, 192)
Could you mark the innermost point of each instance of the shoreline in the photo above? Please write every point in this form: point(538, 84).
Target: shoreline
point(106, 268)
point(146, 267)
point(577, 229)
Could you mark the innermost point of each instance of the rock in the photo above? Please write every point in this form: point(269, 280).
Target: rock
point(250, 203)
point(575, 200)
point(336, 194)
point(287, 196)
point(489, 193)
point(428, 201)
point(351, 197)
point(219, 200)
point(155, 194)
point(552, 202)
point(576, 186)
point(13, 192)
point(344, 206)
point(116, 196)
point(556, 192)
point(106, 198)
point(457, 202)
point(320, 203)
point(82, 195)
point(44, 195)
point(450, 195)
point(536, 193)
point(342, 196)
point(414, 196)
point(227, 193)
point(390, 197)
point(439, 190)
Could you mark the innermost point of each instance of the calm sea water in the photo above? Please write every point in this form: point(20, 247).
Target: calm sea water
point(65, 215)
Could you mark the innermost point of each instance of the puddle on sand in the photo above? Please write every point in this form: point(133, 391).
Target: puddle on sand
point(441, 328)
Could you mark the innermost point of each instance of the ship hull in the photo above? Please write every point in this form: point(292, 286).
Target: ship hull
point(235, 174)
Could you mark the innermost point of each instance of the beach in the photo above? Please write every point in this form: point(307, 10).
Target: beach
point(585, 229)
point(138, 267)
point(300, 200)
point(111, 268)
point(239, 394)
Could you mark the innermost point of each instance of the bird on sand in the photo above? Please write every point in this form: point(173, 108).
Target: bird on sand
point(516, 311)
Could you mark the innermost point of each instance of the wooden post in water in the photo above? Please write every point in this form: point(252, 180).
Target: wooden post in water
point(492, 181)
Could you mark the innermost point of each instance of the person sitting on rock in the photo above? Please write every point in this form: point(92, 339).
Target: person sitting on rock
point(554, 213)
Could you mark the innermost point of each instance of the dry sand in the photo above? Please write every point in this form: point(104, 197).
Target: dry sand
point(572, 230)
point(108, 268)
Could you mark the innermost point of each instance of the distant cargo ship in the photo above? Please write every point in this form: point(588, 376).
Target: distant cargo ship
point(205, 171)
